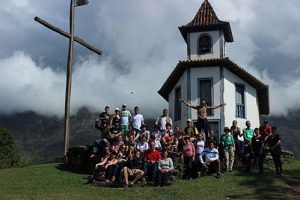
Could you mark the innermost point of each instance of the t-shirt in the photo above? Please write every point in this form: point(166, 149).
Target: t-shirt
point(142, 147)
point(152, 155)
point(265, 131)
point(158, 135)
point(228, 140)
point(165, 164)
point(135, 163)
point(191, 131)
point(199, 146)
point(209, 155)
point(162, 121)
point(249, 134)
point(137, 121)
point(272, 140)
point(104, 119)
point(125, 115)
point(257, 145)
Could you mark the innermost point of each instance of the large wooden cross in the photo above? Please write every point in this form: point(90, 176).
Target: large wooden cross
point(72, 38)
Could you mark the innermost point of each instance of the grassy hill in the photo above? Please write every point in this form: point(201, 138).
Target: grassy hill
point(48, 182)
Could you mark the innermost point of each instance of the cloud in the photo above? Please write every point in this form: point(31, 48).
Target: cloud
point(141, 45)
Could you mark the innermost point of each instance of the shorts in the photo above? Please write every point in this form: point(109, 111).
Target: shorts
point(134, 172)
point(125, 129)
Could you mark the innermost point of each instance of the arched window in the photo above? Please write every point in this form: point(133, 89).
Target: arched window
point(204, 44)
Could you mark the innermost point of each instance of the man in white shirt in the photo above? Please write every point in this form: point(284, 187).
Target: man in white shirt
point(163, 120)
point(211, 159)
point(125, 118)
point(137, 119)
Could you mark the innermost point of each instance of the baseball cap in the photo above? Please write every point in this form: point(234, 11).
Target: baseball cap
point(124, 105)
point(189, 120)
point(117, 109)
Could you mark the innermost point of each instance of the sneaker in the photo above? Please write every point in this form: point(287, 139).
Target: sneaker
point(131, 184)
point(218, 176)
point(144, 181)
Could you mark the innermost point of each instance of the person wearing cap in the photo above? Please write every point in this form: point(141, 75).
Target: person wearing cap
point(227, 141)
point(202, 110)
point(137, 120)
point(163, 120)
point(265, 129)
point(190, 130)
point(125, 119)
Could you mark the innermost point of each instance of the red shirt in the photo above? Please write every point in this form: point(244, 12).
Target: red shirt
point(153, 156)
point(265, 131)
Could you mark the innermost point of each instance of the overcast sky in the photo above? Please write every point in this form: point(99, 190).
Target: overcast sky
point(141, 45)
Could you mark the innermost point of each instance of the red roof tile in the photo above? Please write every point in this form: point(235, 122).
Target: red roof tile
point(207, 20)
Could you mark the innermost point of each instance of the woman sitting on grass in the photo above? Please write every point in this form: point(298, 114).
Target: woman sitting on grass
point(165, 166)
point(108, 164)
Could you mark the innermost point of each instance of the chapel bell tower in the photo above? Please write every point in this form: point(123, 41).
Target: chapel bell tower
point(206, 35)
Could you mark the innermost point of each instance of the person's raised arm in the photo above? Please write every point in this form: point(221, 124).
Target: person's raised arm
point(187, 104)
point(215, 107)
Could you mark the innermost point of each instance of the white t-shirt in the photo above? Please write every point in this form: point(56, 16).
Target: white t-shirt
point(137, 121)
point(163, 121)
point(142, 147)
point(199, 147)
point(125, 115)
point(158, 135)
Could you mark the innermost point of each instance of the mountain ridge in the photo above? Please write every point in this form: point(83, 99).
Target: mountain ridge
point(43, 135)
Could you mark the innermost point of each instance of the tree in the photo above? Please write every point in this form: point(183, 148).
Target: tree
point(8, 154)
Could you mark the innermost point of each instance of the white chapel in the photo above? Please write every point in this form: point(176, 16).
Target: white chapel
point(208, 74)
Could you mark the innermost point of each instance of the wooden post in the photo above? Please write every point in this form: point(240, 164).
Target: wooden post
point(69, 80)
point(72, 38)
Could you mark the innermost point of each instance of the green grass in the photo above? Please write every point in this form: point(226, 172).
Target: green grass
point(48, 182)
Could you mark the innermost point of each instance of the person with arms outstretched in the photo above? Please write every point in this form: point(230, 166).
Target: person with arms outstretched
point(202, 109)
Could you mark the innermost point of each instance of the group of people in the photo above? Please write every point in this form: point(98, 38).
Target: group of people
point(127, 150)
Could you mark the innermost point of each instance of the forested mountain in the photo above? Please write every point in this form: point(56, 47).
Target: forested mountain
point(42, 136)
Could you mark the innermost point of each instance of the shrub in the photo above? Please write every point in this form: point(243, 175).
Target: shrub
point(8, 154)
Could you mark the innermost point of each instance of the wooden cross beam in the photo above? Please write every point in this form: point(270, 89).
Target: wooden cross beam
point(72, 38)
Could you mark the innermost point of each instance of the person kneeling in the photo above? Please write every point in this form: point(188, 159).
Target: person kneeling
point(133, 169)
point(212, 162)
point(165, 166)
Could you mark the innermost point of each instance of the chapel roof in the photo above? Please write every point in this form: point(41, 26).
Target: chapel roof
point(207, 20)
point(262, 89)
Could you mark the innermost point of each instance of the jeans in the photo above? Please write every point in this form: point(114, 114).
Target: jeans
point(150, 169)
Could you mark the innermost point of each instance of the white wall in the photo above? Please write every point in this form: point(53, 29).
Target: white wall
point(183, 85)
point(251, 105)
point(217, 41)
point(203, 73)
